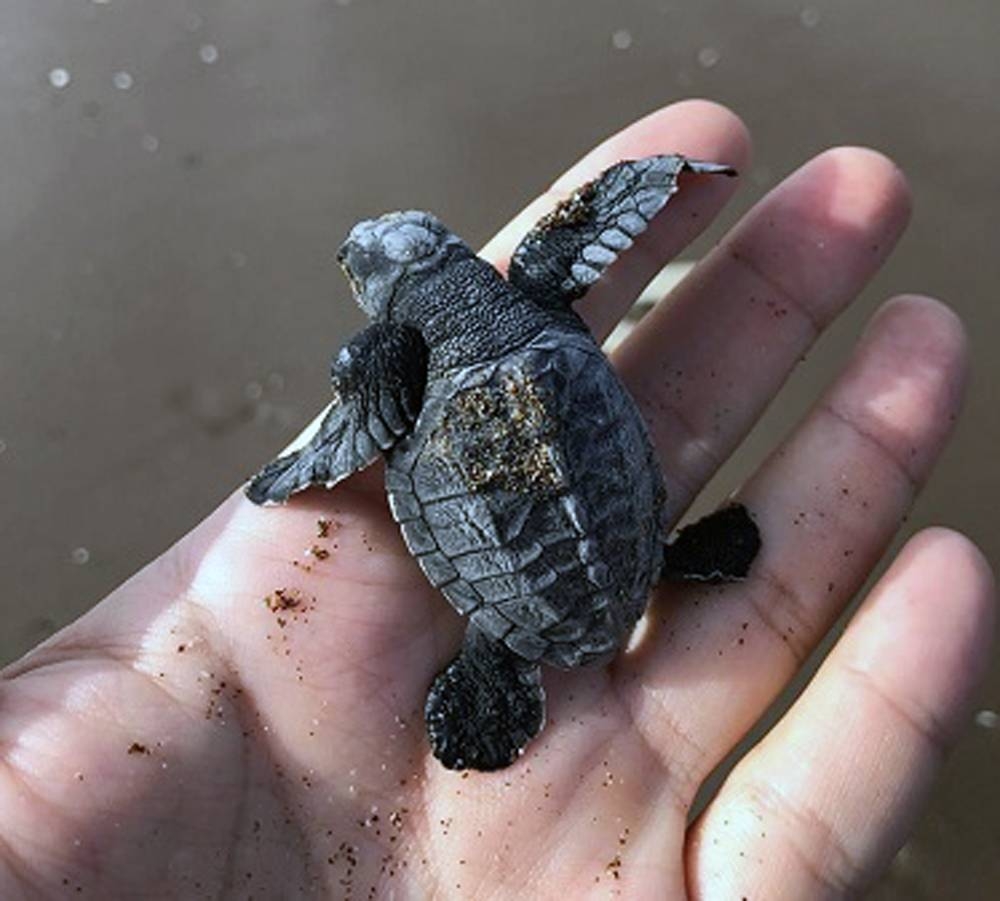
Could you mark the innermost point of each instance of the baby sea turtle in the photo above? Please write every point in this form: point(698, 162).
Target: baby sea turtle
point(517, 465)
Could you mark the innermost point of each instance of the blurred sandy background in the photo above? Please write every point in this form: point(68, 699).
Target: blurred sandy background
point(175, 174)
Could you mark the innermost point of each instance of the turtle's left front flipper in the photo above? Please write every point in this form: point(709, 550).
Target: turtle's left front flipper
point(378, 384)
point(567, 250)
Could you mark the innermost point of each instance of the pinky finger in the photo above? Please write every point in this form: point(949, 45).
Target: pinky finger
point(819, 807)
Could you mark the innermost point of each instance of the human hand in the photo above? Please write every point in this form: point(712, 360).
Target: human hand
point(243, 717)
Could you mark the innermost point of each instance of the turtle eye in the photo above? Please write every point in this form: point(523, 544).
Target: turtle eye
point(357, 262)
point(355, 266)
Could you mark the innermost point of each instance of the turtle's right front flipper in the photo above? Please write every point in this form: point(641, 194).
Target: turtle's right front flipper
point(378, 384)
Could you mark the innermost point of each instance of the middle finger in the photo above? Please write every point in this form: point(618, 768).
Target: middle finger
point(703, 366)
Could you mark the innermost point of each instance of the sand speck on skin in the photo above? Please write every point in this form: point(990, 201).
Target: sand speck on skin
point(282, 599)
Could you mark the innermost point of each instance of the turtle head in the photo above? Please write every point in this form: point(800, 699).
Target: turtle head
point(380, 253)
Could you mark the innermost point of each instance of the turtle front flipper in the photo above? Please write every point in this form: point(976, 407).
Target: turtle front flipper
point(485, 707)
point(378, 384)
point(567, 250)
point(718, 548)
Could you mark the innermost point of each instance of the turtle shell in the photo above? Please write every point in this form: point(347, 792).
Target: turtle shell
point(528, 492)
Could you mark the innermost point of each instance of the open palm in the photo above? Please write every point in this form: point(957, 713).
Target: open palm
point(244, 717)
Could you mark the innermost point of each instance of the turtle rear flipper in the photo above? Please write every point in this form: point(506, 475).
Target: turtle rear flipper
point(718, 548)
point(567, 250)
point(485, 707)
point(378, 383)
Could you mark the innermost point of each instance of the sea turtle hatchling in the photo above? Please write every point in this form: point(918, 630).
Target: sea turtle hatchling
point(517, 465)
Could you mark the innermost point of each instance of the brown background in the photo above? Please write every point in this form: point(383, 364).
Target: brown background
point(167, 295)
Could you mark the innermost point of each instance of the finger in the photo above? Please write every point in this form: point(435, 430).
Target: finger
point(703, 366)
point(821, 805)
point(827, 502)
point(695, 128)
